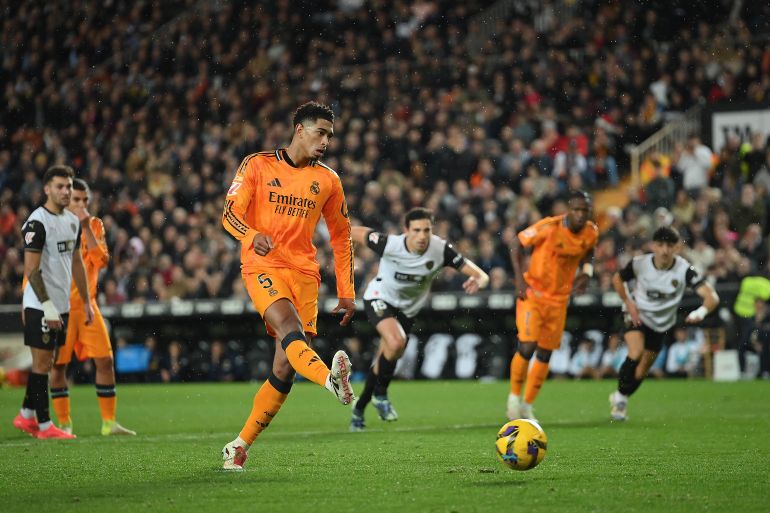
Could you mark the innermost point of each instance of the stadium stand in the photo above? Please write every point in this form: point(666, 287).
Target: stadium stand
point(155, 104)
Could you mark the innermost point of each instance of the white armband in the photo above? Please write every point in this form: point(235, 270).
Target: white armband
point(698, 314)
point(588, 269)
point(50, 313)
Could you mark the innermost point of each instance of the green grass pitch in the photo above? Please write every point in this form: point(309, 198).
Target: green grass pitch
point(689, 446)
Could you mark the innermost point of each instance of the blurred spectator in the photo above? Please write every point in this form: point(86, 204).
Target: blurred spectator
point(174, 366)
point(752, 244)
point(683, 355)
point(559, 365)
point(749, 210)
point(569, 163)
point(659, 192)
point(683, 208)
point(154, 365)
point(694, 163)
point(613, 357)
point(221, 366)
point(581, 364)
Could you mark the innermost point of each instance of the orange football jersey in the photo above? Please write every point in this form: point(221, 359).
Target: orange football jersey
point(94, 259)
point(271, 196)
point(556, 255)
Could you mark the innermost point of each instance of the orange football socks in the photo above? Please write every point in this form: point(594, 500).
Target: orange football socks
point(303, 359)
point(60, 397)
point(518, 373)
point(267, 402)
point(108, 400)
point(537, 375)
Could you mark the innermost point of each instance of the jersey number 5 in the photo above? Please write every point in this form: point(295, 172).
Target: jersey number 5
point(265, 281)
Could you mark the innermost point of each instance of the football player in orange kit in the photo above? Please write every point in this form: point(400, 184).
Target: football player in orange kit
point(273, 206)
point(560, 244)
point(87, 340)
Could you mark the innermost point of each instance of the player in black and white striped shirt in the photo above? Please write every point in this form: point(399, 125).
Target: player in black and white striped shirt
point(409, 263)
point(657, 283)
point(51, 260)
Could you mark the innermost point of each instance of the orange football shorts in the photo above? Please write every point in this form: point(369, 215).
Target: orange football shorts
point(266, 286)
point(540, 321)
point(86, 341)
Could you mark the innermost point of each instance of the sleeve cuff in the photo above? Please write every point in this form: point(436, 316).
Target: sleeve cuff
point(248, 238)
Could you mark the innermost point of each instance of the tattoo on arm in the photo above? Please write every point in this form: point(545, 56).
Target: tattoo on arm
point(38, 285)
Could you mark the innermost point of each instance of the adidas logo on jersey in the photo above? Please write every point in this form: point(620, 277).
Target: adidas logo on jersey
point(275, 183)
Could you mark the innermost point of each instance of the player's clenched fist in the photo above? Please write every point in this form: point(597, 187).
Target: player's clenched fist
point(262, 244)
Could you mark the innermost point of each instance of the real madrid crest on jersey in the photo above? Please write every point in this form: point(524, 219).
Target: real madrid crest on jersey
point(74, 230)
point(429, 264)
point(315, 188)
point(675, 283)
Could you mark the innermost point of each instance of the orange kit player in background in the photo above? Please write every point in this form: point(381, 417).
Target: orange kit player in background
point(560, 244)
point(87, 340)
point(273, 206)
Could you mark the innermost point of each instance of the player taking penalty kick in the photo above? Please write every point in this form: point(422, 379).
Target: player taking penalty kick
point(273, 206)
point(87, 340)
point(560, 245)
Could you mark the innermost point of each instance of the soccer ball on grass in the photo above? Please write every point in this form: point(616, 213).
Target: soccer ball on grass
point(521, 444)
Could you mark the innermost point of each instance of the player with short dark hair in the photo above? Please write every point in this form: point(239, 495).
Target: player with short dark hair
point(273, 207)
point(409, 263)
point(313, 111)
point(51, 260)
point(560, 245)
point(87, 340)
point(658, 281)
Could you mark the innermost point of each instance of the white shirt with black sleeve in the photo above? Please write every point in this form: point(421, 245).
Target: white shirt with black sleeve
point(57, 237)
point(658, 292)
point(404, 278)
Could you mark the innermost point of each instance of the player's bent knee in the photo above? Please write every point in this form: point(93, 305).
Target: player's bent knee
point(106, 363)
point(283, 371)
point(543, 355)
point(526, 349)
point(281, 384)
point(393, 347)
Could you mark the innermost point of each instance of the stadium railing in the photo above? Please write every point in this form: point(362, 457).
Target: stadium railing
point(664, 140)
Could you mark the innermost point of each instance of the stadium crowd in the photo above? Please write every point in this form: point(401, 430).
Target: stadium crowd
point(155, 105)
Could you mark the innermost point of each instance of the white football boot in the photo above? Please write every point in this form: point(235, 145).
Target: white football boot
point(513, 410)
point(338, 382)
point(618, 403)
point(234, 455)
point(525, 410)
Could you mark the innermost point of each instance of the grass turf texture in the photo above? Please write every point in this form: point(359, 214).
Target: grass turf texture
point(689, 446)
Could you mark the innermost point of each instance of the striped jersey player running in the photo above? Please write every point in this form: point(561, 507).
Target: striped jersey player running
point(651, 287)
point(409, 262)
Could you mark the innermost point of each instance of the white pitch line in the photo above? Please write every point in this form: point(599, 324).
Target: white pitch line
point(277, 434)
